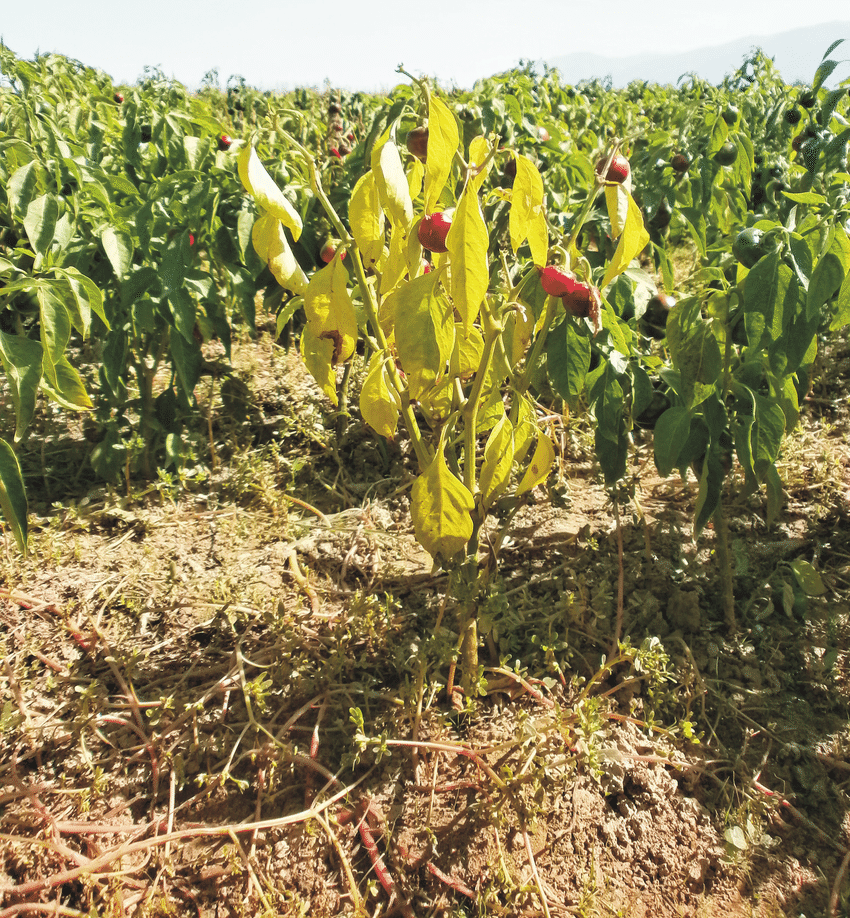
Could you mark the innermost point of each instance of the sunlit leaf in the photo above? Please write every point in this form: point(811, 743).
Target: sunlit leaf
point(527, 217)
point(261, 186)
point(271, 246)
point(317, 354)
point(441, 508)
point(424, 331)
point(632, 241)
point(21, 358)
point(379, 401)
point(443, 140)
point(498, 461)
point(391, 181)
point(367, 219)
point(329, 310)
point(467, 243)
point(811, 582)
point(540, 465)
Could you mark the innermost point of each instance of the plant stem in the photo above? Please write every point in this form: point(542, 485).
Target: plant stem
point(618, 630)
point(724, 561)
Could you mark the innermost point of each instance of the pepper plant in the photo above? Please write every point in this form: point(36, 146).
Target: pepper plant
point(455, 343)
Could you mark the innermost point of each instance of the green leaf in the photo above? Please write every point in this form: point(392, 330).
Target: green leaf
point(830, 271)
point(823, 73)
point(695, 351)
point(708, 498)
point(441, 508)
point(118, 246)
point(671, 434)
point(568, 359)
point(809, 579)
point(87, 297)
point(13, 498)
point(69, 390)
point(768, 430)
point(841, 316)
point(40, 222)
point(696, 224)
point(187, 364)
point(770, 300)
point(22, 362)
point(805, 197)
point(22, 189)
point(184, 313)
point(55, 326)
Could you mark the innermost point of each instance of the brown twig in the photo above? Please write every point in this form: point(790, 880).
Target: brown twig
point(836, 886)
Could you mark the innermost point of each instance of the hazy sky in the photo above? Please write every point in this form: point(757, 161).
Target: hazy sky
point(357, 44)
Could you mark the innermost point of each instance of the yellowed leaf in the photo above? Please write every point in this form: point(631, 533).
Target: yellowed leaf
point(632, 241)
point(424, 332)
point(392, 184)
point(541, 463)
point(329, 310)
point(479, 149)
point(467, 243)
point(441, 508)
point(379, 401)
point(443, 138)
point(272, 247)
point(366, 218)
point(498, 461)
point(261, 186)
point(468, 351)
point(528, 218)
point(317, 354)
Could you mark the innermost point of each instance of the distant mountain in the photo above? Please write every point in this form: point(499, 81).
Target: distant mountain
point(796, 54)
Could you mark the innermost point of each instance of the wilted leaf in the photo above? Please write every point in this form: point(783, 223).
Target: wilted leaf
point(271, 246)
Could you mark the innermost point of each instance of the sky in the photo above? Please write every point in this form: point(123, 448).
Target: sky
point(358, 44)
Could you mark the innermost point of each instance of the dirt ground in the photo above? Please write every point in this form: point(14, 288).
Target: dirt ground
point(226, 695)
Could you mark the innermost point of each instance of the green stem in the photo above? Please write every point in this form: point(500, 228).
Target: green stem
point(492, 332)
point(724, 561)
